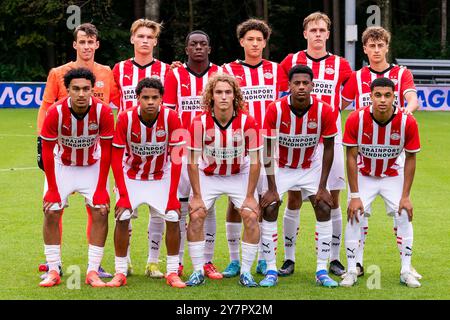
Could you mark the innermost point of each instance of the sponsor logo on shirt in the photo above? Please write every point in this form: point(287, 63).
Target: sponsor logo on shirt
point(93, 126)
point(78, 142)
point(298, 141)
point(148, 149)
point(100, 84)
point(395, 136)
point(268, 75)
point(323, 87)
point(129, 93)
point(312, 125)
point(190, 104)
point(224, 153)
point(329, 70)
point(160, 133)
point(259, 93)
point(380, 151)
point(237, 137)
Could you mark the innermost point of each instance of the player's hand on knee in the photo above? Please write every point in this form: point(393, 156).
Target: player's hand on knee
point(323, 195)
point(270, 197)
point(101, 198)
point(197, 206)
point(354, 210)
point(250, 204)
point(406, 205)
point(51, 197)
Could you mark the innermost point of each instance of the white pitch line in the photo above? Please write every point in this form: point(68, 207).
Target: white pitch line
point(16, 135)
point(18, 169)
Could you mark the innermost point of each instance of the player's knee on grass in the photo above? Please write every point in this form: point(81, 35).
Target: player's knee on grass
point(294, 200)
point(232, 213)
point(323, 211)
point(270, 213)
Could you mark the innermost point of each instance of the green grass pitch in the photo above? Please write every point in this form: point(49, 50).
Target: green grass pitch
point(21, 244)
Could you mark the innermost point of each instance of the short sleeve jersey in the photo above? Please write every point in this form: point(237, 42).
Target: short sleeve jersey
point(330, 73)
point(298, 134)
point(147, 146)
point(128, 73)
point(183, 91)
point(224, 149)
point(357, 87)
point(77, 137)
point(379, 145)
point(260, 84)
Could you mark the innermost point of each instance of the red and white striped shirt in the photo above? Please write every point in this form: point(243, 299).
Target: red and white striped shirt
point(260, 84)
point(357, 87)
point(78, 138)
point(379, 145)
point(183, 91)
point(147, 147)
point(330, 73)
point(128, 73)
point(224, 149)
point(298, 135)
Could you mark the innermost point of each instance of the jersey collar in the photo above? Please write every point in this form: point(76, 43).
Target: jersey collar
point(381, 72)
point(299, 114)
point(76, 116)
point(228, 123)
point(142, 67)
point(317, 60)
point(148, 125)
point(249, 65)
point(385, 123)
point(198, 75)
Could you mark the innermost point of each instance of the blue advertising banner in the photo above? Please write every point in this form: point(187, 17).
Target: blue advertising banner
point(21, 94)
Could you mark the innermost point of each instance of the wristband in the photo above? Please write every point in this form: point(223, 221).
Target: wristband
point(354, 195)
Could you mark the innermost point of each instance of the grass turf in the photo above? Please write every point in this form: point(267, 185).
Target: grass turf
point(21, 244)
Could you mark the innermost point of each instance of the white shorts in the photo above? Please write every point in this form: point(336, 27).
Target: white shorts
point(154, 193)
point(389, 188)
point(304, 180)
point(234, 186)
point(336, 178)
point(70, 179)
point(184, 186)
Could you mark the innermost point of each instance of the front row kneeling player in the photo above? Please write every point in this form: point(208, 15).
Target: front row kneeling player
point(375, 137)
point(75, 125)
point(151, 134)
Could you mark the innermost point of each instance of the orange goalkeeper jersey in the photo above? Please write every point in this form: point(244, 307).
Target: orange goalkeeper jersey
point(105, 88)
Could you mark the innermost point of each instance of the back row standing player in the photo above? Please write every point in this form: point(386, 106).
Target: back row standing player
point(127, 74)
point(183, 92)
point(376, 45)
point(330, 73)
point(86, 42)
point(261, 82)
